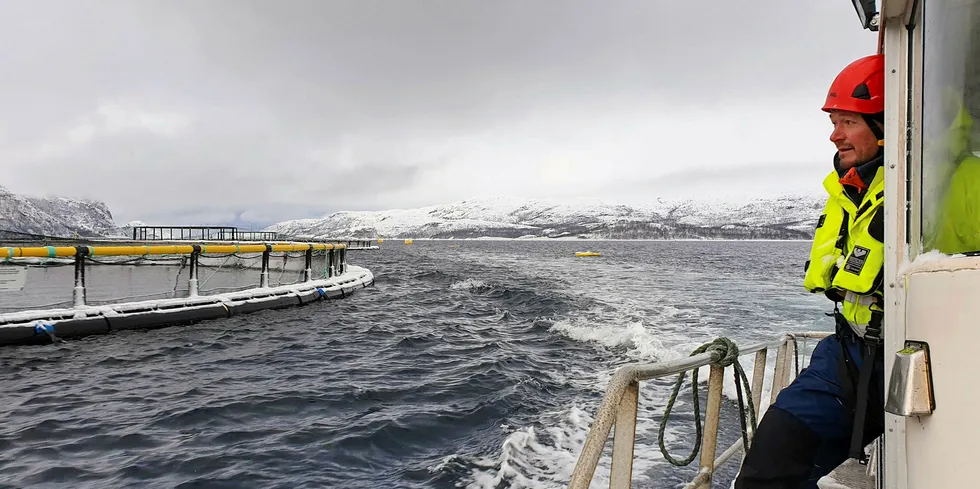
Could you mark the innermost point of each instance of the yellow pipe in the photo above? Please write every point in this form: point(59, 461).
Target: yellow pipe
point(39, 251)
point(140, 250)
point(232, 248)
point(67, 251)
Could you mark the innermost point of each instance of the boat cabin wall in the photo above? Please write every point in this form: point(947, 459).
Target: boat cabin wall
point(933, 228)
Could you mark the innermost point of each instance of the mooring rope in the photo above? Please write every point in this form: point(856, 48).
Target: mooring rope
point(183, 265)
point(729, 356)
point(796, 353)
point(285, 259)
point(213, 273)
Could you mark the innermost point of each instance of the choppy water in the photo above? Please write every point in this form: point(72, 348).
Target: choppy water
point(469, 364)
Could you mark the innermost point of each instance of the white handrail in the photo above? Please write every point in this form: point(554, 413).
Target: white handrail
point(619, 407)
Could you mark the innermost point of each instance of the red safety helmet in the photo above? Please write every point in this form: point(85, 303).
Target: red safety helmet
point(860, 87)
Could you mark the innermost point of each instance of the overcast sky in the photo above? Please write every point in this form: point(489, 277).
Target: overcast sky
point(208, 111)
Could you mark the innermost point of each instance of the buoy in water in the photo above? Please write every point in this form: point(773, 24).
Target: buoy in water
point(587, 253)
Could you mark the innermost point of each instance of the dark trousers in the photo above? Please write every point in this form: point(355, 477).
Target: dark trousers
point(806, 433)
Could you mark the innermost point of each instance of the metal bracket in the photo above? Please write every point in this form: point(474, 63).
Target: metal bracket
point(910, 390)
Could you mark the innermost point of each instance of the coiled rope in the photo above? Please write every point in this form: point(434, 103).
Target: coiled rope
point(729, 356)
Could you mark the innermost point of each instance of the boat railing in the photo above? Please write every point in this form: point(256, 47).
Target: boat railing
point(191, 254)
point(620, 404)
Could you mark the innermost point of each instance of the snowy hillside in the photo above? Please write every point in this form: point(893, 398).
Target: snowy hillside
point(54, 216)
point(789, 217)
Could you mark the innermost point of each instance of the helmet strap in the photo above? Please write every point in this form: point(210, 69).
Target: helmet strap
point(872, 120)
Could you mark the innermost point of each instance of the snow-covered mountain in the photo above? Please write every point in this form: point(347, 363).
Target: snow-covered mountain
point(787, 217)
point(54, 216)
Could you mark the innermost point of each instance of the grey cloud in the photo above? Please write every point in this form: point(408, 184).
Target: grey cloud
point(726, 182)
point(280, 97)
point(740, 173)
point(221, 175)
point(377, 59)
point(373, 59)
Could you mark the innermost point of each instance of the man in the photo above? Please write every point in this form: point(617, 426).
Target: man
point(834, 408)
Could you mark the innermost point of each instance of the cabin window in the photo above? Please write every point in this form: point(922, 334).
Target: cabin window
point(950, 175)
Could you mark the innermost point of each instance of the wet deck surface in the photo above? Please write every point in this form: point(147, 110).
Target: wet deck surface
point(850, 475)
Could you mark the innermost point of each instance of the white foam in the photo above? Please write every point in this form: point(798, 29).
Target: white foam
point(533, 458)
point(543, 456)
point(444, 464)
point(536, 457)
point(625, 329)
point(468, 284)
point(639, 343)
point(642, 344)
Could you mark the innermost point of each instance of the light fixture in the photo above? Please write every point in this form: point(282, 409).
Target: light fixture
point(867, 13)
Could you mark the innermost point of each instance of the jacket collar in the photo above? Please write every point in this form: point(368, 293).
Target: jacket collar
point(859, 178)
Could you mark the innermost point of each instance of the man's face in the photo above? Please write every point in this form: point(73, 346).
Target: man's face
point(855, 142)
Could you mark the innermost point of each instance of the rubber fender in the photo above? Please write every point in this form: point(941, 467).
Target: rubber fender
point(309, 296)
point(76, 328)
point(22, 334)
point(287, 301)
point(168, 317)
point(270, 303)
point(332, 294)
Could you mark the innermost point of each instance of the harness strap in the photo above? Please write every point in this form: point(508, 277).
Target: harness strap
point(847, 371)
point(871, 349)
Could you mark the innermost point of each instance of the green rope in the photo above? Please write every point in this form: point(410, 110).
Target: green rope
point(729, 356)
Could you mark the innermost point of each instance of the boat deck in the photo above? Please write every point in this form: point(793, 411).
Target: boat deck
point(850, 475)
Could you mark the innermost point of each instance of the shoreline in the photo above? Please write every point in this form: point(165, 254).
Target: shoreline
point(602, 239)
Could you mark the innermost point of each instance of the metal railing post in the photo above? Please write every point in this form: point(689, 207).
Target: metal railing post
point(264, 281)
point(331, 263)
point(777, 376)
point(758, 380)
point(308, 273)
point(192, 285)
point(78, 293)
point(789, 362)
point(621, 473)
point(759, 376)
point(712, 415)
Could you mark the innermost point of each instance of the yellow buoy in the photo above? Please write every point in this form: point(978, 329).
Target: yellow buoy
point(587, 253)
point(380, 240)
point(409, 241)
